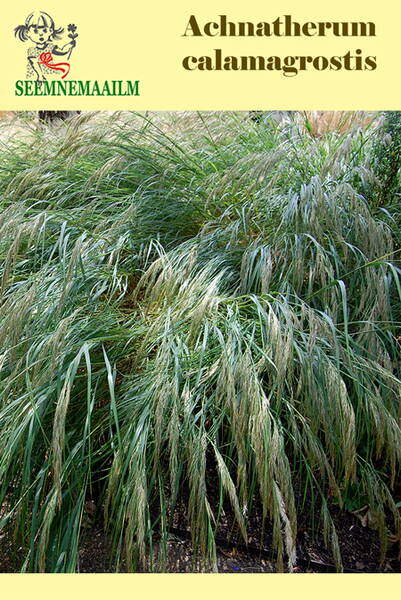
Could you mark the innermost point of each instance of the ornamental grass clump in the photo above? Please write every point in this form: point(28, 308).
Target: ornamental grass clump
point(195, 322)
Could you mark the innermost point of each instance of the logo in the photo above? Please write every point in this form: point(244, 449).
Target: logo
point(41, 31)
point(48, 56)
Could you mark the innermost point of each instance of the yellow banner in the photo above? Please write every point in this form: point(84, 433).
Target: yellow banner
point(191, 55)
point(198, 587)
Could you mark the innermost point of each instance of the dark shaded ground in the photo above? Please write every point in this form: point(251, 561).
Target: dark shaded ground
point(358, 541)
point(359, 546)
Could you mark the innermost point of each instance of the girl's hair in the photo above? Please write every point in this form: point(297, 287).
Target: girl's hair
point(38, 18)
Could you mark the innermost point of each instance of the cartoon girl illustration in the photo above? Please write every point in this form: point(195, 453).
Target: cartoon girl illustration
point(40, 29)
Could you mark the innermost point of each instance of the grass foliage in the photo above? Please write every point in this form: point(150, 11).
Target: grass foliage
point(197, 311)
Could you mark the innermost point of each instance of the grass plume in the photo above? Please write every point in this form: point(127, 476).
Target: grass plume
point(192, 303)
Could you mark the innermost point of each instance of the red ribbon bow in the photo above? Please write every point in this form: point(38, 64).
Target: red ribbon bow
point(46, 59)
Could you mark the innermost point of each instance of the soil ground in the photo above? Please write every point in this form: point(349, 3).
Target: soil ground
point(359, 545)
